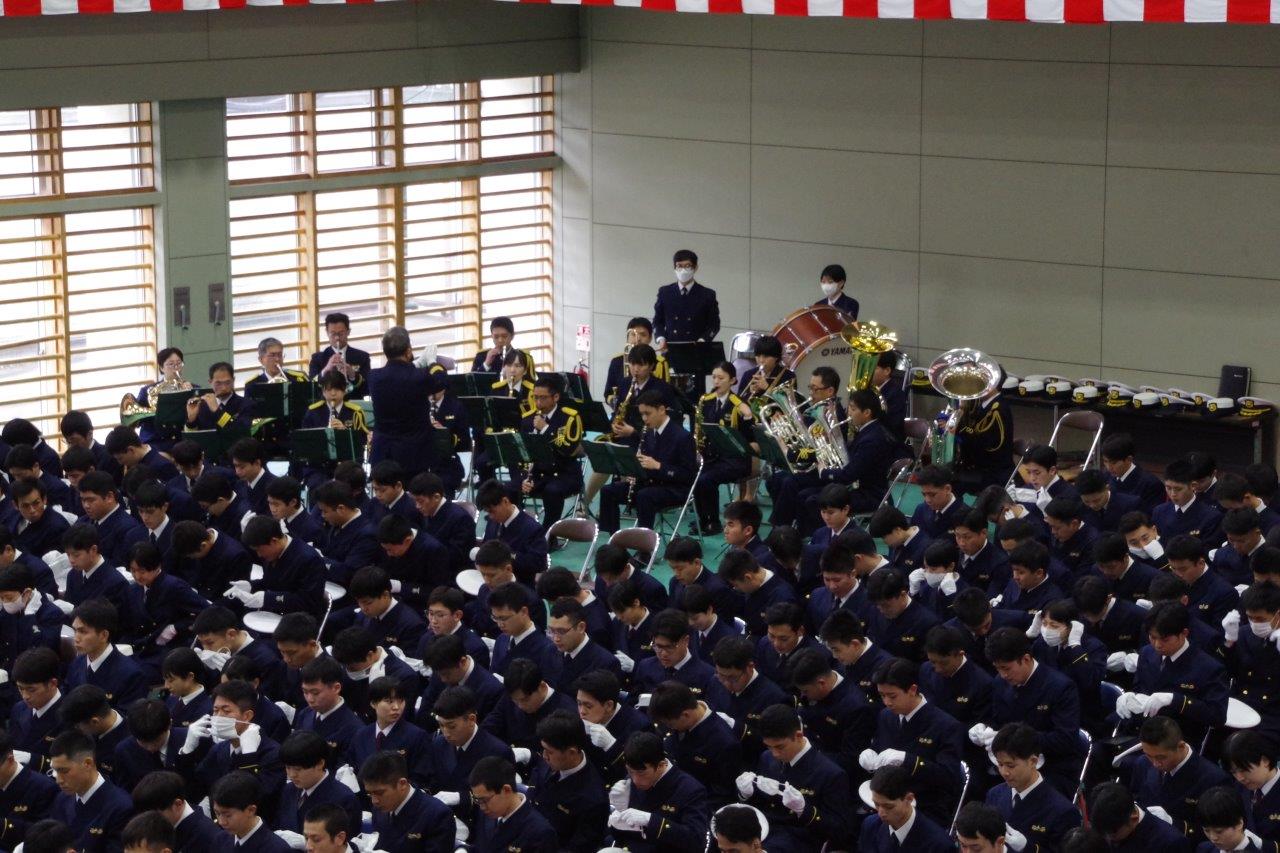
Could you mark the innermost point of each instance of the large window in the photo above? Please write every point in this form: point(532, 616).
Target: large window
point(374, 219)
point(77, 287)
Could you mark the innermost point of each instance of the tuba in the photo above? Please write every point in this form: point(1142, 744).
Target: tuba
point(962, 375)
point(869, 341)
point(781, 419)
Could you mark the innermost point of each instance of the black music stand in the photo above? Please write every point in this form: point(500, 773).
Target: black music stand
point(171, 407)
point(609, 458)
point(505, 450)
point(728, 443)
point(594, 417)
point(326, 445)
point(696, 359)
point(770, 450)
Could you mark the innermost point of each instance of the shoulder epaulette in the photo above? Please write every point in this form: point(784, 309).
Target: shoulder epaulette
point(569, 410)
point(297, 375)
point(317, 404)
point(710, 395)
point(355, 407)
point(735, 399)
point(498, 384)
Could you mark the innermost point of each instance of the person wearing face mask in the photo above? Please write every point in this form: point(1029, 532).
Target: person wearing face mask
point(1062, 644)
point(832, 283)
point(1128, 577)
point(936, 583)
point(29, 619)
point(1143, 540)
point(685, 310)
point(230, 740)
point(1253, 654)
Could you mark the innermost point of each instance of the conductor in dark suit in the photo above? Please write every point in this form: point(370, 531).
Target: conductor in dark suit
point(351, 362)
point(832, 283)
point(401, 412)
point(685, 310)
point(670, 462)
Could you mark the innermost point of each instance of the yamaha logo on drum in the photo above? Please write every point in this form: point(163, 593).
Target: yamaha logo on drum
point(829, 351)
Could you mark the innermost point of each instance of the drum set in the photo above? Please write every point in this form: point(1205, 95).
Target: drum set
point(810, 337)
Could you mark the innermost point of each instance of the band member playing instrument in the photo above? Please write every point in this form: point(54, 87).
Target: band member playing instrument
point(338, 355)
point(627, 423)
point(670, 462)
point(769, 373)
point(271, 357)
point(561, 480)
point(335, 411)
point(162, 436)
point(723, 407)
point(685, 310)
point(515, 384)
point(984, 444)
point(447, 412)
point(888, 384)
point(221, 408)
point(639, 331)
point(824, 385)
point(502, 331)
point(832, 283)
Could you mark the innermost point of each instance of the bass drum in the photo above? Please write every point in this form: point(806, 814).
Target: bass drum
point(810, 338)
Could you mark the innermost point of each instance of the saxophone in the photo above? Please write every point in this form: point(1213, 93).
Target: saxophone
point(631, 491)
point(699, 439)
point(620, 413)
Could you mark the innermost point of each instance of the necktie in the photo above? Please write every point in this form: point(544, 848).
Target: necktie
point(152, 534)
point(671, 672)
point(1164, 662)
point(302, 798)
point(378, 740)
point(1017, 799)
point(1257, 797)
point(684, 291)
point(568, 658)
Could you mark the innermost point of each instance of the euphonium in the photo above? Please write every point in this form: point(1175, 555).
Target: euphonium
point(828, 441)
point(962, 375)
point(781, 419)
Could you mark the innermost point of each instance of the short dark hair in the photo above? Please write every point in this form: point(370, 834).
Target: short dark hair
point(236, 790)
point(643, 749)
point(935, 475)
point(37, 666)
point(1219, 807)
point(181, 662)
point(1007, 645)
point(1043, 455)
point(1110, 807)
point(842, 626)
point(493, 773)
point(671, 624)
point(1246, 749)
point(523, 676)
point(148, 719)
point(210, 488)
point(886, 584)
point(490, 494)
point(563, 730)
point(735, 652)
point(76, 422)
point(736, 565)
point(285, 489)
point(386, 768)
point(1031, 555)
point(745, 513)
point(739, 824)
point(1090, 482)
point(557, 582)
point(158, 790)
point(683, 549)
point(353, 645)
point(942, 552)
point(303, 748)
point(979, 820)
point(296, 628)
point(892, 781)
point(426, 484)
point(370, 582)
point(99, 614)
point(670, 699)
point(510, 596)
point(81, 536)
point(72, 744)
point(215, 619)
point(897, 672)
point(455, 702)
point(48, 836)
point(944, 640)
point(600, 684)
point(332, 816)
point(1167, 619)
point(83, 704)
point(494, 553)
point(886, 519)
point(1161, 731)
point(1016, 739)
point(779, 721)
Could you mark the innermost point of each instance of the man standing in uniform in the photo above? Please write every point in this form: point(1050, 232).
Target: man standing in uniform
point(401, 412)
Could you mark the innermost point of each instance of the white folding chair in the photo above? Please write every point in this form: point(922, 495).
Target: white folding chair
point(964, 795)
point(1084, 769)
point(575, 530)
point(639, 539)
point(684, 507)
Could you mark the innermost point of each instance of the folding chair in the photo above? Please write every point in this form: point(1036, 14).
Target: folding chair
point(1084, 768)
point(639, 539)
point(1081, 421)
point(575, 530)
point(916, 431)
point(470, 508)
point(964, 794)
point(684, 507)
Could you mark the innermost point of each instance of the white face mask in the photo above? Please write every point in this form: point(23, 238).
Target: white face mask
point(830, 288)
point(1262, 630)
point(683, 275)
point(1154, 549)
point(934, 579)
point(13, 608)
point(1052, 636)
point(362, 675)
point(1137, 552)
point(224, 728)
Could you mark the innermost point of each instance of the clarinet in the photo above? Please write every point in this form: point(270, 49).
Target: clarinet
point(631, 492)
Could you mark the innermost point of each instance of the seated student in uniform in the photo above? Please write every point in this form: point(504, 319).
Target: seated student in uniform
point(1040, 696)
point(188, 456)
point(824, 402)
point(609, 721)
point(229, 513)
point(672, 660)
point(77, 431)
point(40, 527)
point(521, 532)
point(664, 802)
point(293, 572)
point(390, 729)
point(335, 411)
point(407, 819)
point(378, 612)
point(450, 524)
point(152, 744)
point(36, 720)
point(723, 408)
point(22, 464)
point(221, 637)
point(554, 482)
point(980, 829)
point(456, 748)
point(770, 373)
point(684, 556)
point(1204, 472)
point(117, 530)
point(386, 479)
point(977, 619)
point(1169, 777)
point(529, 700)
point(1060, 642)
point(742, 520)
point(327, 712)
point(1036, 810)
point(89, 804)
point(632, 626)
point(700, 742)
point(349, 539)
point(88, 710)
point(285, 505)
point(982, 564)
point(150, 500)
point(510, 608)
point(1104, 506)
point(950, 680)
point(835, 511)
point(1073, 537)
point(1143, 539)
point(708, 628)
point(749, 692)
point(240, 807)
point(567, 788)
point(758, 586)
point(98, 662)
point(1250, 757)
point(1243, 531)
point(516, 384)
point(1029, 589)
point(358, 651)
point(269, 716)
point(1128, 827)
point(249, 460)
point(917, 735)
point(26, 794)
point(786, 546)
point(940, 509)
point(1126, 578)
point(306, 757)
point(836, 714)
point(1185, 513)
point(129, 452)
point(845, 637)
point(240, 744)
point(567, 626)
point(221, 408)
point(183, 674)
point(639, 331)
point(414, 560)
point(1126, 476)
point(1222, 817)
point(163, 607)
point(936, 584)
point(904, 622)
point(785, 635)
point(906, 541)
point(208, 560)
point(1041, 467)
point(1116, 622)
point(164, 792)
point(1238, 492)
point(1210, 595)
point(898, 822)
point(455, 665)
point(613, 565)
point(29, 619)
point(446, 616)
point(842, 588)
point(494, 561)
point(507, 817)
point(803, 792)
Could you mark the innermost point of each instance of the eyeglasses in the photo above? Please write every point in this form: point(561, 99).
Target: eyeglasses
point(482, 801)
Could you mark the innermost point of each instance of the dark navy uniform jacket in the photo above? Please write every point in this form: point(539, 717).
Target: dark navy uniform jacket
point(1152, 833)
point(827, 797)
point(871, 452)
point(1210, 598)
point(338, 728)
point(235, 410)
point(755, 604)
point(263, 840)
point(844, 302)
point(183, 713)
point(294, 582)
point(625, 722)
point(693, 316)
point(1135, 582)
point(1263, 815)
point(132, 761)
point(195, 833)
point(1043, 815)
point(636, 643)
point(1049, 702)
point(27, 799)
point(514, 726)
point(471, 644)
point(168, 601)
point(1108, 521)
point(616, 375)
point(703, 645)
point(1177, 794)
point(1232, 566)
point(934, 743)
point(966, 695)
point(401, 417)
point(230, 522)
point(404, 737)
point(357, 358)
point(908, 556)
point(935, 524)
point(652, 594)
point(293, 811)
point(398, 626)
point(480, 681)
point(449, 767)
point(747, 706)
point(350, 547)
point(453, 527)
point(678, 815)
point(1029, 601)
point(422, 568)
point(523, 831)
point(841, 725)
point(423, 825)
point(1200, 520)
point(1077, 552)
point(903, 636)
point(35, 734)
point(42, 535)
point(103, 581)
point(925, 836)
point(589, 656)
point(523, 534)
point(535, 647)
point(211, 764)
point(1142, 484)
point(823, 603)
point(98, 823)
point(23, 631)
point(695, 673)
point(575, 805)
point(1121, 628)
point(118, 532)
point(711, 753)
point(1198, 682)
point(862, 671)
point(480, 620)
point(121, 678)
point(988, 569)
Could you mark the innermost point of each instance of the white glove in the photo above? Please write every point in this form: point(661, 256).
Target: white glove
point(1129, 704)
point(630, 820)
point(1155, 702)
point(460, 832)
point(1231, 626)
point(982, 735)
point(746, 783)
point(522, 755)
point(1115, 661)
point(792, 798)
point(917, 581)
point(1013, 839)
point(620, 795)
point(489, 643)
point(288, 710)
point(869, 760)
point(166, 636)
point(769, 787)
point(1275, 638)
point(1037, 622)
point(1042, 498)
point(995, 602)
point(728, 721)
point(347, 776)
point(627, 664)
point(600, 736)
point(1154, 549)
point(366, 843)
point(243, 586)
point(251, 600)
point(206, 808)
point(296, 840)
point(449, 798)
point(23, 758)
point(1145, 603)
point(1077, 633)
point(4, 676)
point(1240, 588)
point(256, 572)
point(65, 606)
point(250, 739)
point(890, 757)
point(196, 732)
point(213, 660)
point(1157, 811)
point(948, 585)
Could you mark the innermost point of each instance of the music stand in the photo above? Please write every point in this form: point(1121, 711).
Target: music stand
point(505, 450)
point(171, 407)
point(694, 357)
point(538, 449)
point(609, 458)
point(770, 450)
point(594, 417)
point(326, 445)
point(215, 442)
point(728, 443)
